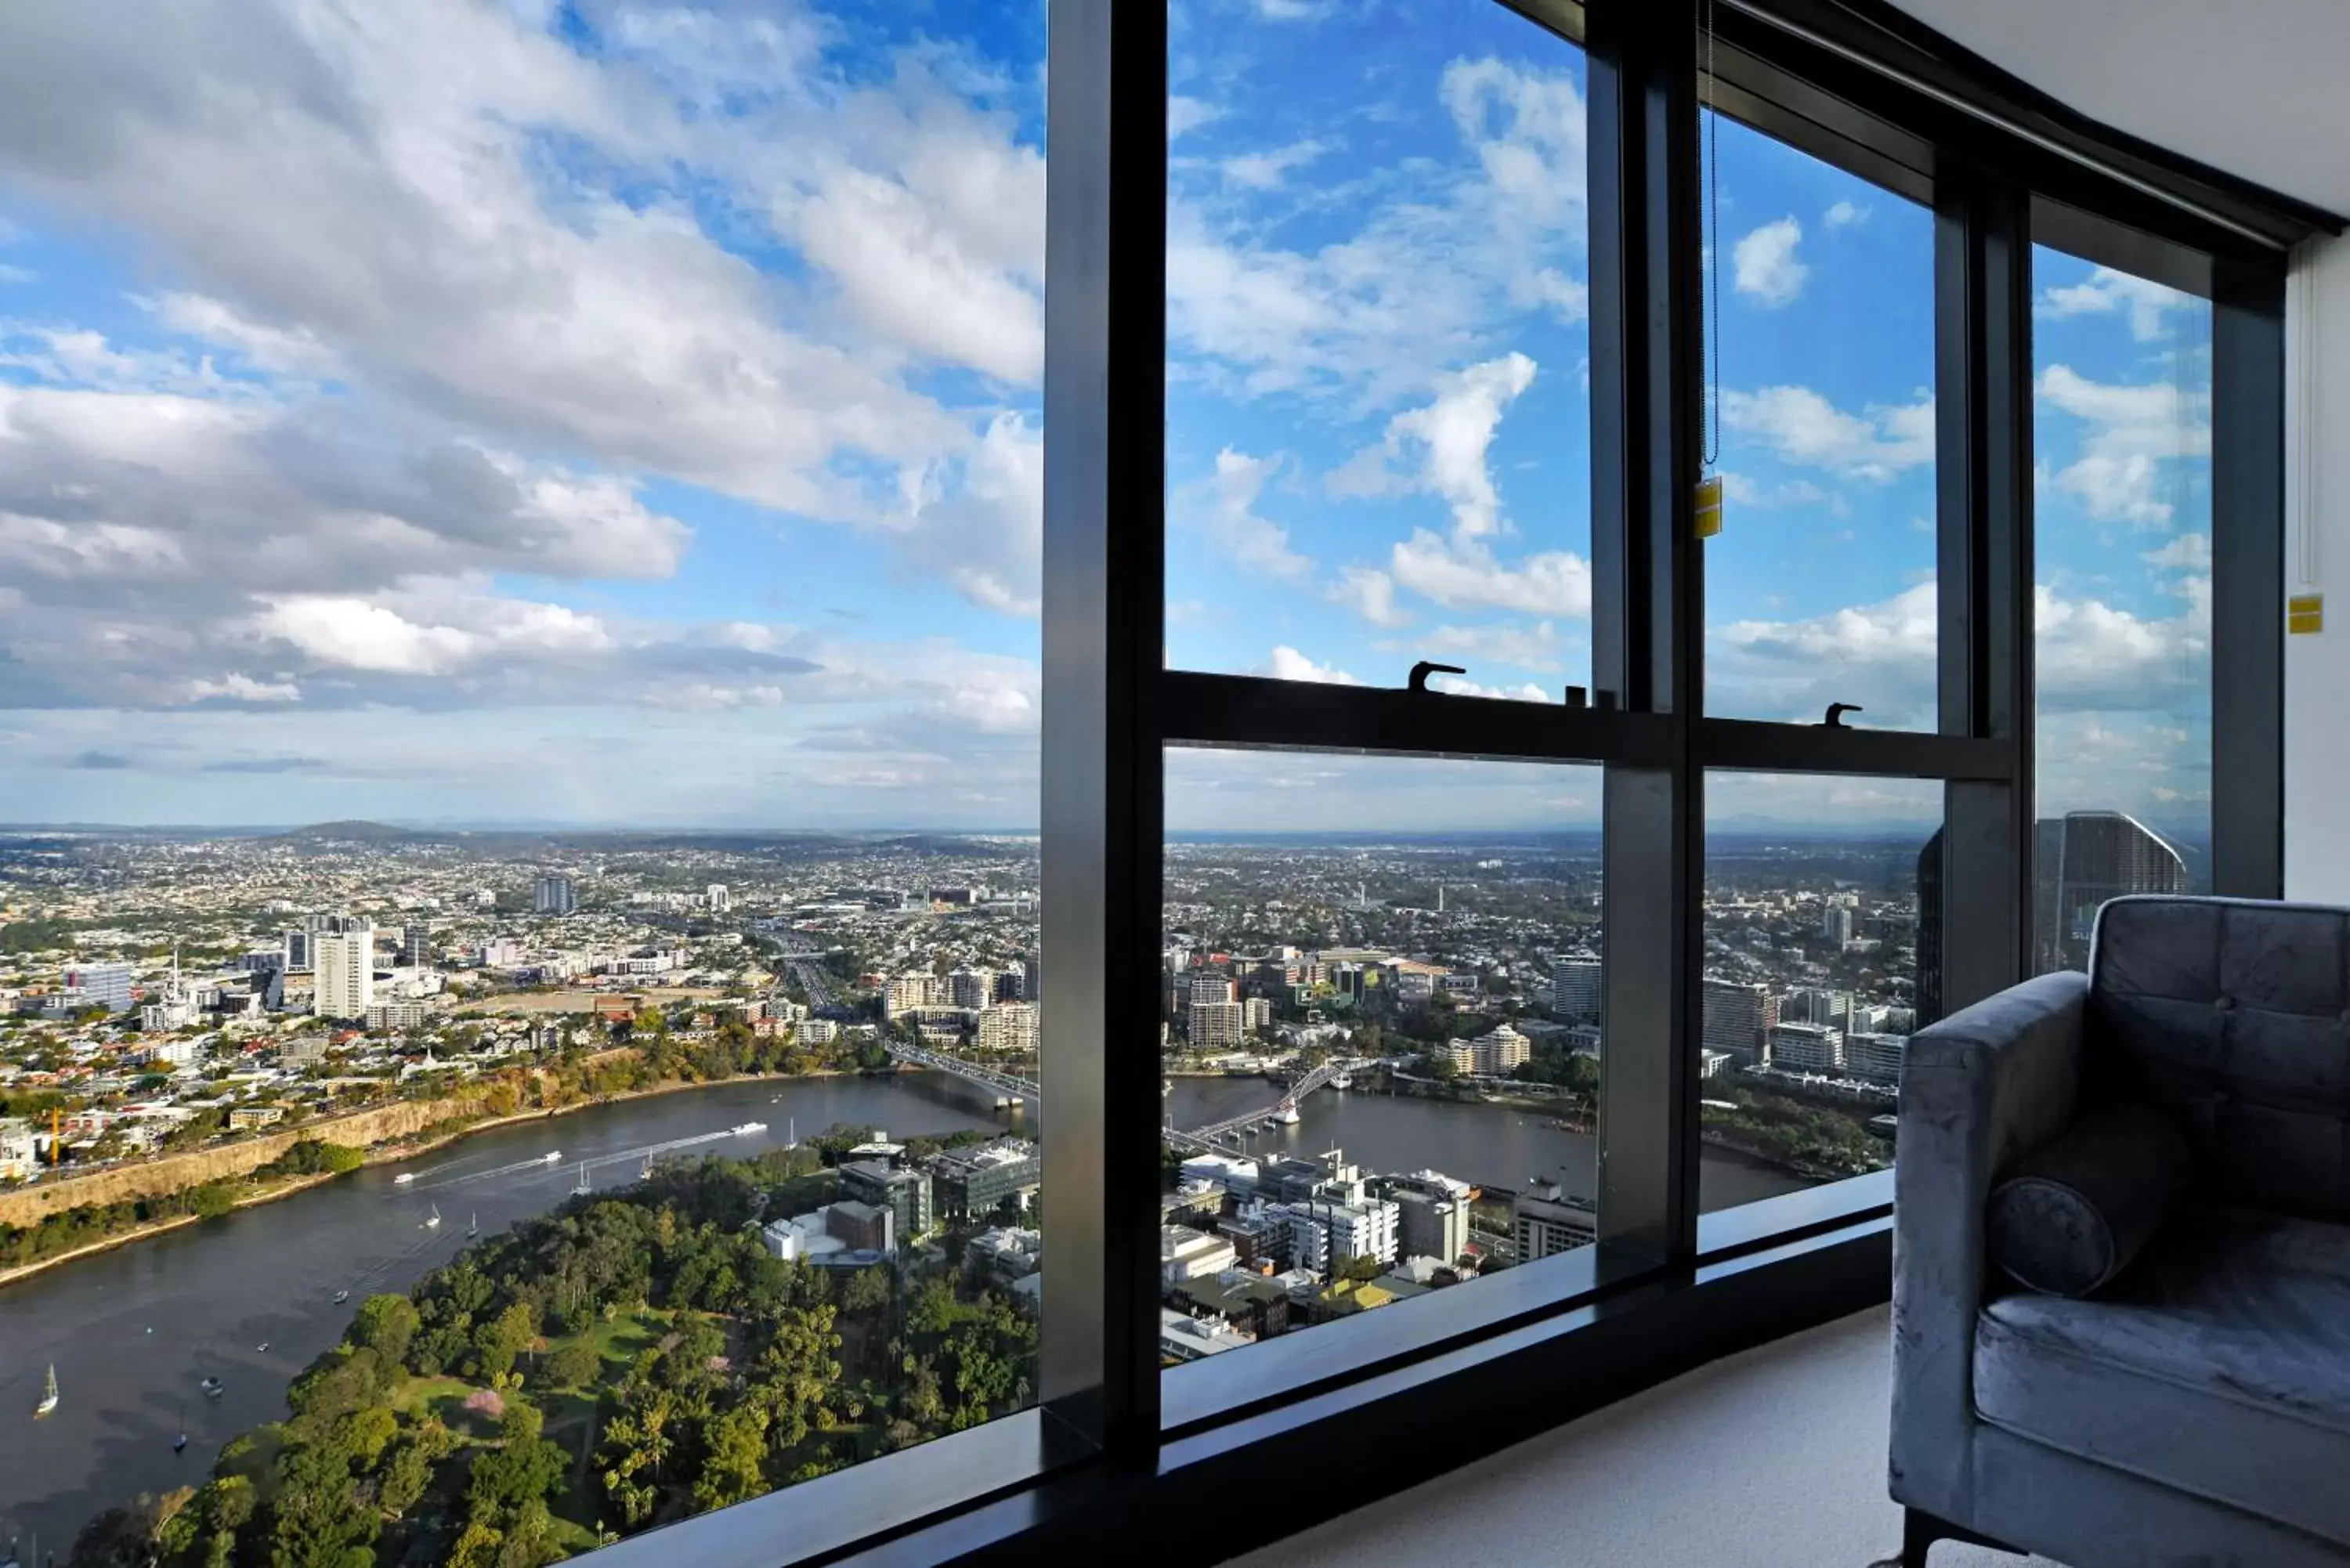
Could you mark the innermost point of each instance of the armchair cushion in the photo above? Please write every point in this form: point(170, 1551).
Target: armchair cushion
point(2075, 1213)
point(2218, 1364)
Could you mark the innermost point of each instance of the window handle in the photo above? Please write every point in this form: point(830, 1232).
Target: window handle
point(1425, 668)
point(1837, 711)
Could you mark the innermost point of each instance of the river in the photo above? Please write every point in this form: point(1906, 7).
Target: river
point(134, 1330)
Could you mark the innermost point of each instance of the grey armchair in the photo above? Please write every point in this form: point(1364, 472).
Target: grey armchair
point(2195, 1409)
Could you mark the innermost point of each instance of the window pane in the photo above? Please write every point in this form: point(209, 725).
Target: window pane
point(1820, 586)
point(1815, 947)
point(588, 458)
point(2121, 434)
point(1378, 425)
point(1382, 1033)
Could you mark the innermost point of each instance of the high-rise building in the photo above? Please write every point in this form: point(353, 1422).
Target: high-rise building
point(970, 988)
point(345, 987)
point(716, 895)
point(1216, 1025)
point(1547, 1227)
point(1800, 1047)
point(1735, 1016)
point(415, 945)
point(1431, 1225)
point(105, 985)
point(1008, 1026)
point(1875, 1056)
point(1575, 988)
point(1494, 1055)
point(554, 895)
point(1816, 1005)
point(1256, 1012)
point(2099, 855)
point(297, 941)
point(1010, 985)
point(1835, 924)
point(1209, 985)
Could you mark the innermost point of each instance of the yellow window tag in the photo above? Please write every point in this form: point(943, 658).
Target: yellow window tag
point(2304, 613)
point(1708, 506)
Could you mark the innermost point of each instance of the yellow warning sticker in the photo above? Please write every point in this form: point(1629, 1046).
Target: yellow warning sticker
point(2304, 613)
point(1708, 506)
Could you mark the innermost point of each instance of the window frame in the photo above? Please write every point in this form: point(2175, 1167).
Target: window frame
point(1114, 1444)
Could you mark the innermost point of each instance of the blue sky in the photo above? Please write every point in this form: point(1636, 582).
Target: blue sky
point(641, 424)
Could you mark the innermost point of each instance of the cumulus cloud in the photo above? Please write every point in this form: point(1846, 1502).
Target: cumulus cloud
point(1764, 266)
point(2130, 440)
point(1799, 426)
point(1454, 247)
point(1267, 169)
point(1370, 593)
point(2106, 292)
point(1288, 664)
point(1223, 508)
point(1844, 215)
point(1528, 647)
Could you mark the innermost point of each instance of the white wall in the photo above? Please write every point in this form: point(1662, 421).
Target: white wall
point(2317, 557)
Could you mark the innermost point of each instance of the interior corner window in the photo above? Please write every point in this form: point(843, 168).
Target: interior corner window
point(2122, 496)
point(1378, 411)
point(1380, 1029)
point(1820, 586)
point(1823, 948)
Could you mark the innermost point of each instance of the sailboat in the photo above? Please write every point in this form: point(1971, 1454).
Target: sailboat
point(181, 1442)
point(582, 1189)
point(49, 1394)
point(473, 1227)
point(432, 1220)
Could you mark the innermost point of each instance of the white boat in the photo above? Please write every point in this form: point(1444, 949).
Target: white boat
point(474, 1226)
point(552, 1156)
point(749, 1129)
point(1343, 1081)
point(49, 1394)
point(213, 1387)
point(583, 1189)
point(403, 1179)
point(342, 1296)
point(432, 1220)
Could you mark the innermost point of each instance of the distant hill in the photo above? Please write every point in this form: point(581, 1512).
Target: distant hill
point(355, 832)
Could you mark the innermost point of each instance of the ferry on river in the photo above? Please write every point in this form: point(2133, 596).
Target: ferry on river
point(749, 1129)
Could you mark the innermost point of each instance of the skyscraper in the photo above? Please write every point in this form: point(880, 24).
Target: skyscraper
point(717, 896)
point(1929, 930)
point(2100, 855)
point(415, 944)
point(1575, 988)
point(346, 968)
point(555, 896)
point(1735, 1016)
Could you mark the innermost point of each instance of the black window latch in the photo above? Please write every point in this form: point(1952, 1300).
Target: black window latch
point(1424, 668)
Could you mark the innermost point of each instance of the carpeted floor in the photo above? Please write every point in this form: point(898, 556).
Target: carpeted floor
point(1774, 1459)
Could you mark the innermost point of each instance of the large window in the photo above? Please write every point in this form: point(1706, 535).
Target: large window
point(1378, 403)
point(518, 528)
point(1383, 995)
point(2122, 439)
point(1822, 921)
point(1820, 588)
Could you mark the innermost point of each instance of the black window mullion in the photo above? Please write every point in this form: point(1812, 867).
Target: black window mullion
point(1104, 610)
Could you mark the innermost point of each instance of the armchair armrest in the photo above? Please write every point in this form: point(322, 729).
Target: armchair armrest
point(1979, 1090)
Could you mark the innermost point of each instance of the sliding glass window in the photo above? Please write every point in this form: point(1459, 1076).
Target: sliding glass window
point(1820, 586)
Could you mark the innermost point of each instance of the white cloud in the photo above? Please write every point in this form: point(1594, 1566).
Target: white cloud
point(1765, 265)
point(1185, 115)
point(1370, 593)
point(1288, 664)
point(1439, 263)
point(1454, 686)
point(1880, 655)
point(1467, 576)
point(2132, 431)
point(238, 687)
point(2188, 553)
point(1800, 425)
point(1844, 215)
point(2105, 290)
point(1527, 647)
point(1265, 171)
point(1293, 10)
point(1223, 507)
